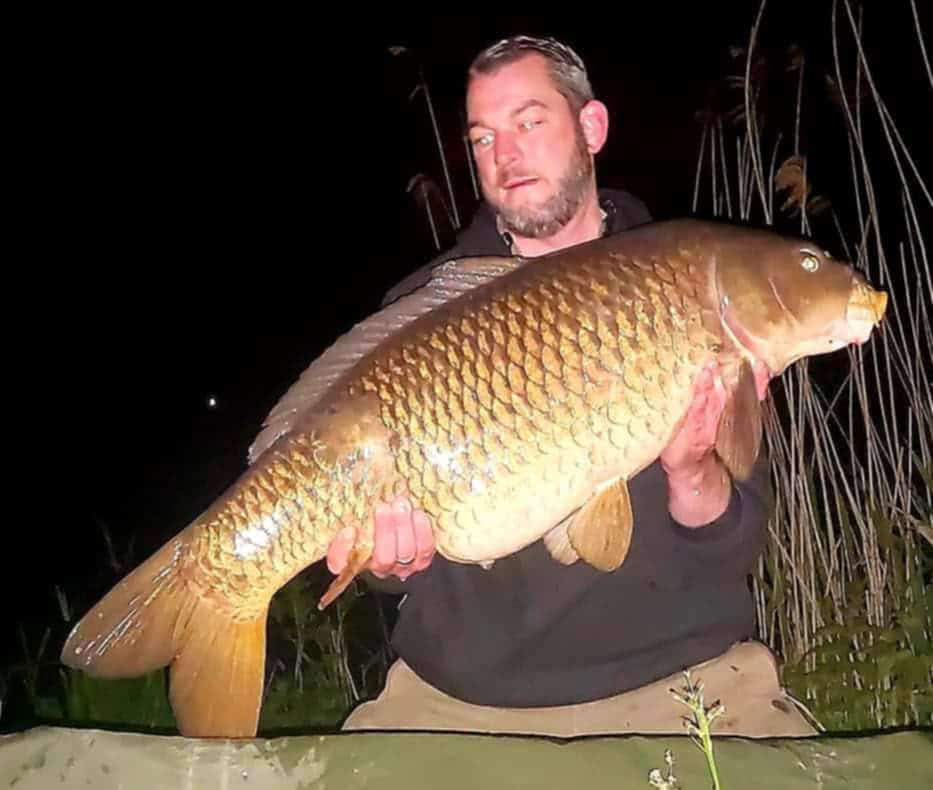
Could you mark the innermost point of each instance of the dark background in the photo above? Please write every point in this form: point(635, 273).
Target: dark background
point(207, 202)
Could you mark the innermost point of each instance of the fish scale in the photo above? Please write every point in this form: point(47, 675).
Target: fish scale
point(578, 389)
point(510, 400)
point(528, 423)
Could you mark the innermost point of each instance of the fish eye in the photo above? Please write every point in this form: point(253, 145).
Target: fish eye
point(810, 262)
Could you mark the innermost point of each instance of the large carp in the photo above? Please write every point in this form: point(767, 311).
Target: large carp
point(511, 400)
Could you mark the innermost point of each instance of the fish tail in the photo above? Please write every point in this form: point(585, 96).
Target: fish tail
point(156, 617)
point(217, 678)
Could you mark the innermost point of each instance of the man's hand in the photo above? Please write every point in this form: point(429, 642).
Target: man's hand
point(403, 542)
point(692, 445)
point(699, 486)
point(698, 483)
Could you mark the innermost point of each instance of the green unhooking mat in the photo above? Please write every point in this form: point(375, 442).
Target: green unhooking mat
point(57, 757)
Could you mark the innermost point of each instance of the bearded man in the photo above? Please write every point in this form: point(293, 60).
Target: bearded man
point(529, 645)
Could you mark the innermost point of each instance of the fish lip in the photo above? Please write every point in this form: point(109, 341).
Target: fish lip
point(880, 305)
point(865, 310)
point(858, 330)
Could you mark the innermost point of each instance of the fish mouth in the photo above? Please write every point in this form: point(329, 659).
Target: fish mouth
point(864, 311)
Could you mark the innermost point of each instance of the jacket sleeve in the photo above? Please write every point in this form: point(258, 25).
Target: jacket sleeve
point(733, 543)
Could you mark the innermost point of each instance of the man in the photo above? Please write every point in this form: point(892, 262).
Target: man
point(529, 645)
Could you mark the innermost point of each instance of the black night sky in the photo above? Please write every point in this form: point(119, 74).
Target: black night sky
point(213, 199)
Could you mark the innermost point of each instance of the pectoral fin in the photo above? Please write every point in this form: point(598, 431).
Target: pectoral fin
point(601, 531)
point(740, 429)
point(557, 542)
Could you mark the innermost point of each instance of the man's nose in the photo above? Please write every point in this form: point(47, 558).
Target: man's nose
point(506, 148)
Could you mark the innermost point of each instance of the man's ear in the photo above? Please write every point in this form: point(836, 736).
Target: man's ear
point(594, 120)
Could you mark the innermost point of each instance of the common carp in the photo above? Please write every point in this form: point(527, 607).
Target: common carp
point(511, 400)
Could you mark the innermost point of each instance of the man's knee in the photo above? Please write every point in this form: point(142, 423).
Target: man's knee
point(359, 717)
point(383, 711)
point(759, 703)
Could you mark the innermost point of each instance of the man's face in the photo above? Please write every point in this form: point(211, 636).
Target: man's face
point(533, 160)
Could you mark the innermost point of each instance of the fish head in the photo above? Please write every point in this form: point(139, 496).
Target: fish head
point(782, 299)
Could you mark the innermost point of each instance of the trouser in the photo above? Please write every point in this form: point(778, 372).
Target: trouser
point(744, 680)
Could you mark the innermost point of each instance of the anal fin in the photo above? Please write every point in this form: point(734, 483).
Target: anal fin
point(217, 680)
point(738, 441)
point(601, 531)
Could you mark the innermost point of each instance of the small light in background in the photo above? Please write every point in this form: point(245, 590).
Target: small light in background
point(211, 402)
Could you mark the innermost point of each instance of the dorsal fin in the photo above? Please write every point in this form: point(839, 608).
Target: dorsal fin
point(448, 281)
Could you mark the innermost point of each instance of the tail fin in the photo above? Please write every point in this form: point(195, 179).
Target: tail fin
point(155, 617)
point(217, 679)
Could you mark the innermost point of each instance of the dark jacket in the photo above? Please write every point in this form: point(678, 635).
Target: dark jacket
point(480, 237)
point(530, 631)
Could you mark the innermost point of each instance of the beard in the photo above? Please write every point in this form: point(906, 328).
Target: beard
point(546, 219)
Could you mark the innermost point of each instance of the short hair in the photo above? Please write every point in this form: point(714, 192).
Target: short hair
point(566, 67)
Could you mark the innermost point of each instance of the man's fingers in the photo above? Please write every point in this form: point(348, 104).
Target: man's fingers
point(405, 531)
point(707, 404)
point(402, 541)
point(385, 548)
point(707, 386)
point(424, 539)
point(339, 549)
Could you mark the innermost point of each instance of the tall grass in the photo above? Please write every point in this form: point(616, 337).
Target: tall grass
point(844, 590)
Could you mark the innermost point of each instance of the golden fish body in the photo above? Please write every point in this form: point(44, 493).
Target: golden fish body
point(510, 400)
point(497, 416)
